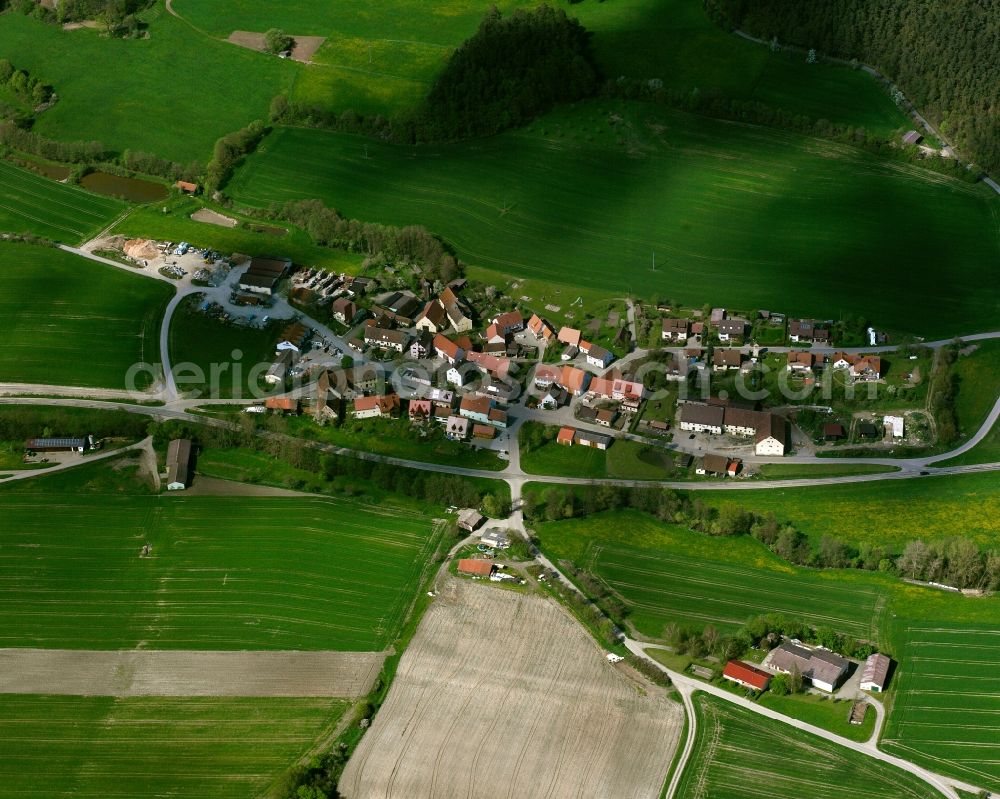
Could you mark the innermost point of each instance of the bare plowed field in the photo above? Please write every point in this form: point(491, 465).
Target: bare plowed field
point(504, 695)
point(179, 673)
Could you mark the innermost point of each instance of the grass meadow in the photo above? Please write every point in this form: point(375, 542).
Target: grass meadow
point(111, 748)
point(227, 573)
point(736, 215)
point(947, 703)
point(172, 94)
point(735, 757)
point(30, 203)
point(70, 321)
point(889, 512)
point(381, 56)
point(667, 573)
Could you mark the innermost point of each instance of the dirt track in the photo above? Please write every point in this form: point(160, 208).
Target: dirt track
point(503, 695)
point(187, 673)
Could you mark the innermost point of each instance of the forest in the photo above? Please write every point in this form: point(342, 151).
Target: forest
point(945, 57)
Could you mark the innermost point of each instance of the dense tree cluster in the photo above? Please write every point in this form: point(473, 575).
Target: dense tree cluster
point(510, 71)
point(26, 87)
point(79, 152)
point(229, 152)
point(413, 244)
point(944, 387)
point(957, 562)
point(944, 56)
point(25, 422)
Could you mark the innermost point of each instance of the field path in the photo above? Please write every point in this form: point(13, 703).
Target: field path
point(143, 672)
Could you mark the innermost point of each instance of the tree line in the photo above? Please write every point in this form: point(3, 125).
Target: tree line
point(382, 243)
point(955, 561)
point(944, 56)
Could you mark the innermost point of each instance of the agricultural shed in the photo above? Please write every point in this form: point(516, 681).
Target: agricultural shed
point(469, 519)
point(496, 538)
point(746, 675)
point(179, 464)
point(56, 444)
point(475, 567)
point(832, 431)
point(824, 669)
point(874, 673)
point(565, 436)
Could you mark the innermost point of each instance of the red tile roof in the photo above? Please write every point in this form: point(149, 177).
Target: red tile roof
point(747, 674)
point(475, 566)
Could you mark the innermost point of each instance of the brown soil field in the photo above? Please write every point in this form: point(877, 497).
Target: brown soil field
point(139, 672)
point(213, 218)
point(503, 694)
point(303, 49)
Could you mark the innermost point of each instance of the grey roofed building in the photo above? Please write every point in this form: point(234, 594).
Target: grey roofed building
point(495, 538)
point(875, 672)
point(823, 668)
point(178, 464)
point(695, 415)
point(714, 464)
point(469, 519)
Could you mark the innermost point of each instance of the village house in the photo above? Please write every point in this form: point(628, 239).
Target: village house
point(606, 416)
point(432, 319)
point(498, 418)
point(866, 367)
point(447, 349)
point(541, 329)
point(508, 323)
point(570, 336)
point(419, 410)
point(771, 437)
point(475, 408)
point(733, 328)
point(723, 359)
point(420, 347)
point(596, 356)
point(386, 339)
point(490, 364)
point(803, 330)
point(574, 380)
point(374, 407)
point(459, 375)
point(625, 390)
point(344, 311)
point(457, 428)
point(179, 452)
point(554, 398)
point(601, 387)
point(803, 361)
point(456, 314)
point(718, 466)
point(746, 675)
point(675, 330)
point(822, 668)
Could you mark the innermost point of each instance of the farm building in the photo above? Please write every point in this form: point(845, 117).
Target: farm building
point(594, 440)
point(875, 672)
point(821, 667)
point(702, 418)
point(771, 437)
point(383, 406)
point(386, 339)
point(565, 436)
point(912, 138)
point(496, 539)
point(868, 430)
point(483, 431)
point(469, 519)
point(719, 465)
point(179, 453)
point(186, 186)
point(832, 431)
point(569, 336)
point(56, 444)
point(895, 424)
point(282, 404)
point(475, 567)
point(746, 675)
point(263, 274)
point(507, 323)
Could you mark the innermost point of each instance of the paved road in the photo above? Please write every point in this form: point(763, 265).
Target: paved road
point(945, 785)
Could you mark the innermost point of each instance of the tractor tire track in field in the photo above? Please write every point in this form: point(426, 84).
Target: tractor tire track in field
point(144, 672)
point(489, 667)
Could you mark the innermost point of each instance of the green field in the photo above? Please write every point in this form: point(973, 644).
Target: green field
point(889, 512)
point(667, 573)
point(792, 471)
point(66, 320)
point(307, 573)
point(108, 748)
point(172, 94)
point(946, 710)
point(625, 460)
point(736, 215)
point(380, 56)
point(741, 755)
point(239, 355)
point(30, 203)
